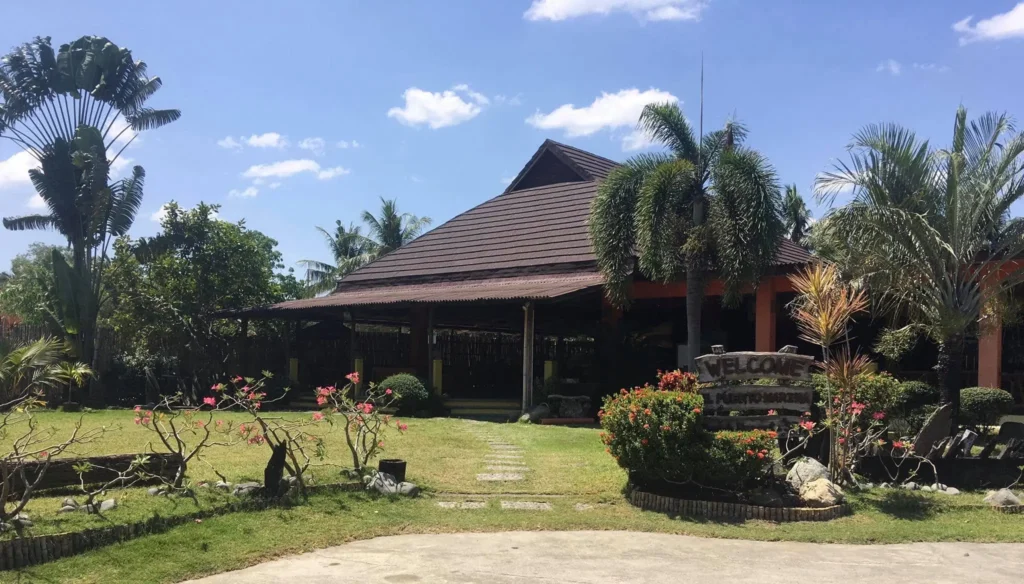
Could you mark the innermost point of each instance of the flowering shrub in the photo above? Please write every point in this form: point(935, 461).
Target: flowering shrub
point(677, 381)
point(658, 436)
point(362, 421)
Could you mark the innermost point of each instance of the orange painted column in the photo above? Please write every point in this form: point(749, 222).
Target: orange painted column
point(990, 345)
point(764, 319)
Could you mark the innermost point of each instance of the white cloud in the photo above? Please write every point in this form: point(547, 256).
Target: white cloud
point(504, 99)
point(229, 143)
point(123, 134)
point(273, 185)
point(999, 27)
point(636, 140)
point(439, 110)
point(607, 112)
point(889, 66)
point(119, 167)
point(344, 144)
point(268, 140)
point(314, 145)
point(507, 180)
point(931, 67)
point(36, 202)
point(14, 170)
point(282, 169)
point(329, 173)
point(244, 193)
point(654, 10)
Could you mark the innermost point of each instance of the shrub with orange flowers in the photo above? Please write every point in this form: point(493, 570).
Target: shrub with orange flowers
point(658, 436)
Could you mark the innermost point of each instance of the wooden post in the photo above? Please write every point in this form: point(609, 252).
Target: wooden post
point(764, 319)
point(244, 357)
point(419, 354)
point(437, 375)
point(528, 322)
point(990, 339)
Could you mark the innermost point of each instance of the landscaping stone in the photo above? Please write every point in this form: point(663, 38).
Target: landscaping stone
point(156, 491)
point(506, 447)
point(526, 505)
point(1002, 497)
point(507, 468)
point(224, 486)
point(820, 493)
point(584, 506)
point(386, 484)
point(503, 456)
point(492, 477)
point(927, 489)
point(911, 486)
point(245, 488)
point(766, 498)
point(884, 486)
point(108, 505)
point(950, 491)
point(69, 502)
point(935, 429)
point(68, 509)
point(462, 504)
point(804, 471)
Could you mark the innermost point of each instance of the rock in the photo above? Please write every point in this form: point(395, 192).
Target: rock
point(536, 414)
point(911, 486)
point(69, 502)
point(950, 491)
point(821, 493)
point(867, 486)
point(386, 484)
point(408, 489)
point(222, 485)
point(245, 488)
point(927, 489)
point(21, 523)
point(154, 491)
point(884, 486)
point(67, 509)
point(938, 487)
point(935, 429)
point(108, 505)
point(804, 471)
point(1001, 498)
point(766, 498)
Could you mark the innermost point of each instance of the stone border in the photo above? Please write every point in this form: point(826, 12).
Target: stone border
point(23, 552)
point(652, 502)
point(1011, 509)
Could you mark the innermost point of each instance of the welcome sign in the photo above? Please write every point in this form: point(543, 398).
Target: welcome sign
point(725, 397)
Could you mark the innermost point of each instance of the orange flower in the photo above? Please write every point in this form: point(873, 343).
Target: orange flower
point(696, 410)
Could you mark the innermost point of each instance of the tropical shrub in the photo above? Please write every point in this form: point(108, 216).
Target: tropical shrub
point(880, 390)
point(913, 396)
point(409, 391)
point(677, 381)
point(983, 406)
point(658, 435)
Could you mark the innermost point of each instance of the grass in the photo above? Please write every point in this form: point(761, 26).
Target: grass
point(444, 457)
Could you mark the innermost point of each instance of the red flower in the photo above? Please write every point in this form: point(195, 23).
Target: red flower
point(647, 426)
point(647, 411)
point(217, 386)
point(842, 440)
point(138, 408)
point(878, 415)
point(807, 425)
point(760, 455)
point(899, 444)
point(209, 401)
point(750, 452)
point(644, 442)
point(696, 410)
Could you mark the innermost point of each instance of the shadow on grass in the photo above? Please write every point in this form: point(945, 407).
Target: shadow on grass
point(902, 505)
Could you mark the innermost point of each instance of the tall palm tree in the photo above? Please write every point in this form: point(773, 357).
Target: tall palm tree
point(69, 109)
point(349, 248)
point(705, 205)
point(795, 215)
point(390, 229)
point(931, 228)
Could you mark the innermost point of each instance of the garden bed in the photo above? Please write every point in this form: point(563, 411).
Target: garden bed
point(567, 421)
point(962, 473)
point(732, 511)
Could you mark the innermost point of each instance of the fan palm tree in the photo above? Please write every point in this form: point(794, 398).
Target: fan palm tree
point(390, 229)
point(348, 247)
point(795, 215)
point(932, 227)
point(70, 109)
point(704, 205)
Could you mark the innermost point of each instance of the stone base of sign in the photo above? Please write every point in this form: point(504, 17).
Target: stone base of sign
point(713, 509)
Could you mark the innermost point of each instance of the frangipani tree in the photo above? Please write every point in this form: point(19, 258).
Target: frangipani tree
point(704, 206)
point(931, 229)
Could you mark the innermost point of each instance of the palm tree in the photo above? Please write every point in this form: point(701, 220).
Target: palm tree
point(69, 109)
point(931, 228)
point(795, 215)
point(707, 205)
point(29, 370)
point(348, 248)
point(390, 229)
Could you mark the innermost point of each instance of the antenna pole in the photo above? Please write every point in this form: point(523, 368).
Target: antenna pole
point(700, 139)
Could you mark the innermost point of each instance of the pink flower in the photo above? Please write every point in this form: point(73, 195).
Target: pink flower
point(238, 379)
point(200, 423)
point(217, 386)
point(878, 415)
point(807, 425)
point(317, 416)
point(256, 405)
point(44, 454)
point(899, 444)
point(245, 389)
point(353, 377)
point(380, 444)
point(210, 401)
point(138, 408)
point(401, 427)
point(321, 400)
point(772, 413)
point(387, 392)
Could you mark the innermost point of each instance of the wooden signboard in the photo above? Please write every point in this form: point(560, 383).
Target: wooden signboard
point(726, 395)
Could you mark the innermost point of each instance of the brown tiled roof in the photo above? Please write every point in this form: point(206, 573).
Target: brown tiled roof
point(527, 287)
point(790, 254)
point(596, 166)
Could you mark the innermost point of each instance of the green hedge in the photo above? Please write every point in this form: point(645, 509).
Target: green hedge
point(411, 391)
point(983, 406)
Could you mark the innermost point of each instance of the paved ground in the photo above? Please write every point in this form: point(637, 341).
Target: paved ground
point(615, 556)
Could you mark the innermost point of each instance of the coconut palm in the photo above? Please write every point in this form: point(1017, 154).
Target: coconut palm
point(349, 248)
point(31, 369)
point(795, 216)
point(390, 229)
point(708, 205)
point(70, 110)
point(931, 228)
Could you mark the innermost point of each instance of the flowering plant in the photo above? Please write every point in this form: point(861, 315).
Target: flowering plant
point(677, 381)
point(362, 420)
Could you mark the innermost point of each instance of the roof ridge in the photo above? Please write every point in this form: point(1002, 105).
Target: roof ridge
point(587, 152)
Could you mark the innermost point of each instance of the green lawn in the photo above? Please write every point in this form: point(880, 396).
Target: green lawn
point(444, 457)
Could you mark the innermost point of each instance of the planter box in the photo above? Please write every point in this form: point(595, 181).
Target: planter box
point(720, 510)
point(61, 472)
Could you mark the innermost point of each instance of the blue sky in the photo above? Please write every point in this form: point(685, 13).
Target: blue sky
point(299, 113)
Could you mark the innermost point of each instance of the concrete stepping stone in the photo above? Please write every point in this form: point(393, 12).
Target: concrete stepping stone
point(494, 477)
point(462, 504)
point(506, 468)
point(503, 457)
point(584, 506)
point(505, 447)
point(526, 505)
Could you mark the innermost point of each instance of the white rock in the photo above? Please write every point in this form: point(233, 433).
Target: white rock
point(821, 493)
point(1001, 498)
point(804, 471)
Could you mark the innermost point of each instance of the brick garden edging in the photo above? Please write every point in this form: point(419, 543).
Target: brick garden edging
point(652, 502)
point(23, 552)
point(1009, 508)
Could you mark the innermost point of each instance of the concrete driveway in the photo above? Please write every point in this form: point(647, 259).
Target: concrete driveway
point(616, 556)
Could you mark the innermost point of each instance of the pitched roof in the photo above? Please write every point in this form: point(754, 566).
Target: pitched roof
point(554, 162)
